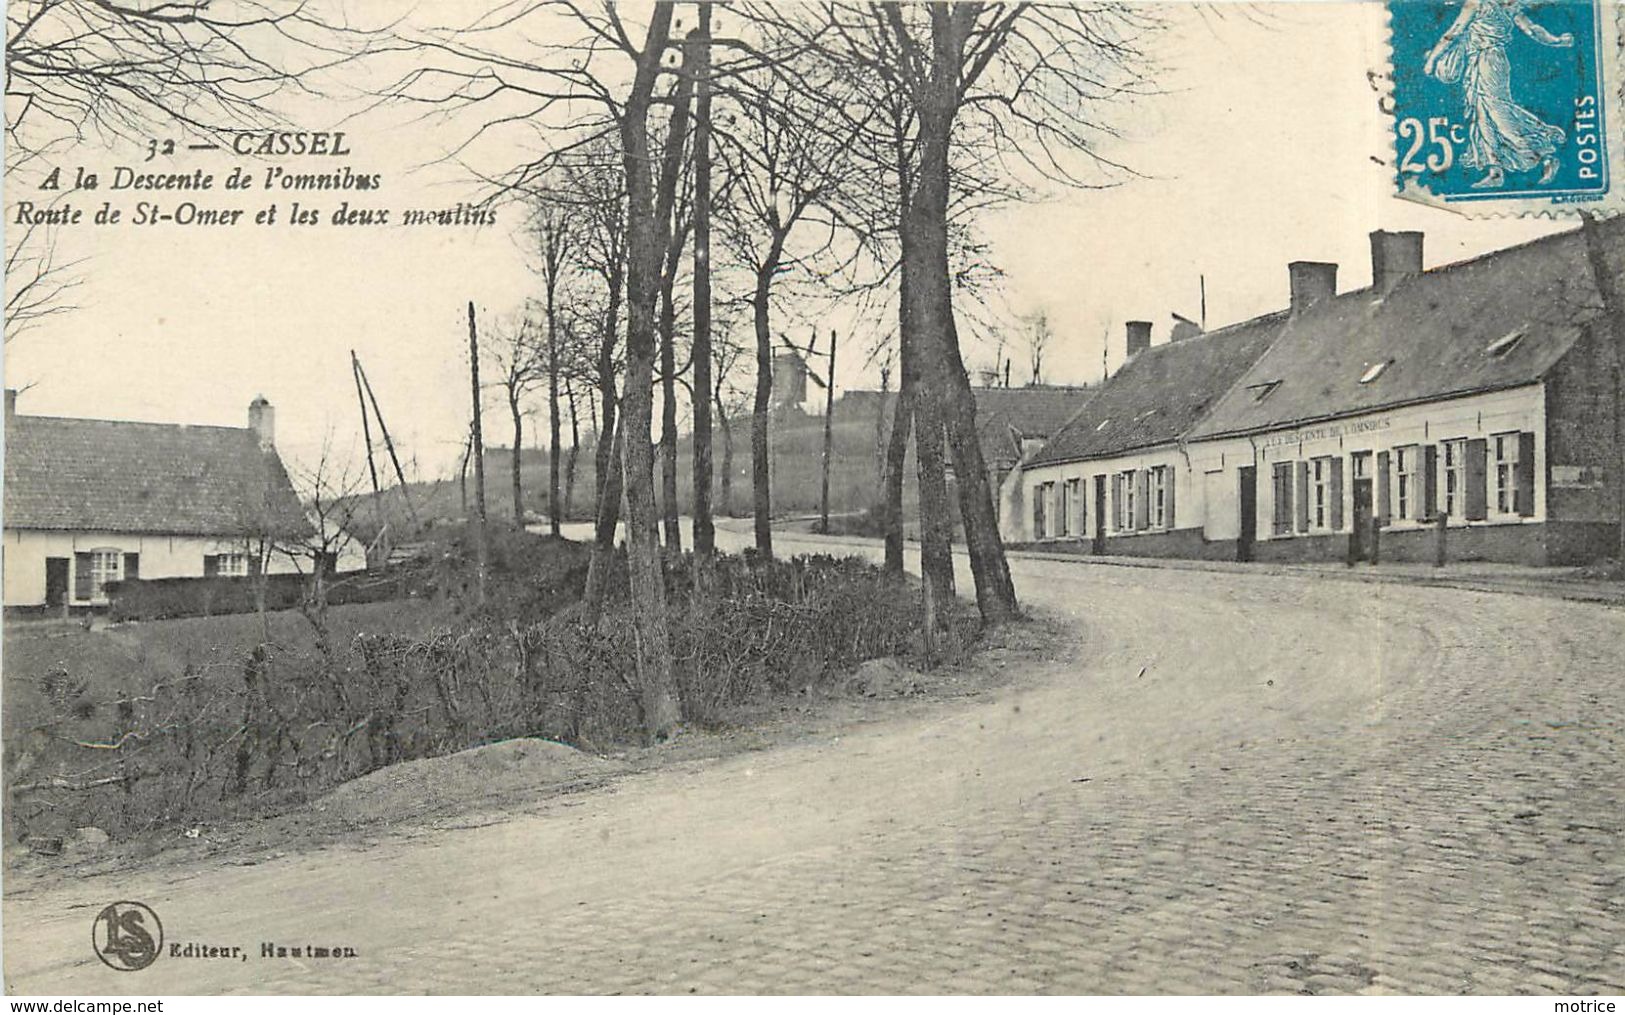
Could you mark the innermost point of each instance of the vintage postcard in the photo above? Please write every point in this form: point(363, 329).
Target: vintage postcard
point(521, 497)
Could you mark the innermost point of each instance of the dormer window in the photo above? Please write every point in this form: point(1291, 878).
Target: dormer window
point(1374, 371)
point(1505, 344)
point(1263, 390)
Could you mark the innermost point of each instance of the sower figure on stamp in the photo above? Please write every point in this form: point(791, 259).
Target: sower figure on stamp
point(1502, 135)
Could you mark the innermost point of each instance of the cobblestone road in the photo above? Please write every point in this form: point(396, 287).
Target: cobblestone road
point(1236, 784)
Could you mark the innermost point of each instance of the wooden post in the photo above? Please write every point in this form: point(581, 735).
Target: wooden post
point(389, 445)
point(478, 451)
point(366, 434)
point(1441, 521)
point(829, 434)
point(704, 530)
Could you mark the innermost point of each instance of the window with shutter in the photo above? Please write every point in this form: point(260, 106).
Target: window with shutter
point(1281, 490)
point(1337, 494)
point(1430, 482)
point(81, 577)
point(1384, 511)
point(1300, 495)
point(1476, 494)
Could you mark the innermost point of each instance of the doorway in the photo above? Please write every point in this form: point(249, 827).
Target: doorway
point(56, 581)
point(1361, 536)
point(1247, 498)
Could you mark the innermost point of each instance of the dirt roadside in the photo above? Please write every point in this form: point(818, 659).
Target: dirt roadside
point(497, 782)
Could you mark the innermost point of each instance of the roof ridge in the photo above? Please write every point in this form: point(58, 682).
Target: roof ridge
point(30, 417)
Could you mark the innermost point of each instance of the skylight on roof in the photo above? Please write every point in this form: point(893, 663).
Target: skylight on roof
point(1103, 424)
point(1263, 390)
point(1505, 344)
point(1374, 371)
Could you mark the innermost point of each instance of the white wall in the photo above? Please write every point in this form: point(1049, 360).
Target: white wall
point(1476, 416)
point(22, 564)
point(1206, 473)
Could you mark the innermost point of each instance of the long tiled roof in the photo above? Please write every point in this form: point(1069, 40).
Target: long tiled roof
point(1159, 394)
point(1497, 321)
point(104, 475)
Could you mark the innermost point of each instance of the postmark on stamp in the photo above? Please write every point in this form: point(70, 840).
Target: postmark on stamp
point(1507, 106)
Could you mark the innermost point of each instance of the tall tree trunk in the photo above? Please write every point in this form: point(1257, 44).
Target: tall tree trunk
point(829, 438)
point(606, 460)
point(518, 437)
point(668, 415)
point(896, 462)
point(671, 168)
point(575, 451)
point(727, 454)
point(645, 243)
point(942, 370)
point(553, 452)
point(760, 450)
point(481, 555)
point(601, 565)
point(704, 531)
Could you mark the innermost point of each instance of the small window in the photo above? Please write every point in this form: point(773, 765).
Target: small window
point(1505, 344)
point(1264, 390)
point(1103, 424)
point(1455, 477)
point(1506, 473)
point(105, 566)
point(233, 565)
point(1374, 371)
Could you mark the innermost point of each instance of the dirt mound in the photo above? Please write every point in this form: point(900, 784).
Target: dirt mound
point(415, 788)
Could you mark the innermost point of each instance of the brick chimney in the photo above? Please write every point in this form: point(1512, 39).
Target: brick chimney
point(1184, 328)
point(1139, 337)
point(1394, 258)
point(262, 420)
point(1312, 281)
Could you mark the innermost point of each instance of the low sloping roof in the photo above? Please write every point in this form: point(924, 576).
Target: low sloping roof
point(91, 474)
point(1027, 413)
point(1428, 338)
point(1159, 394)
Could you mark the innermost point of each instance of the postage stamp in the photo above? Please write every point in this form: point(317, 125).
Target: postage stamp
point(1507, 106)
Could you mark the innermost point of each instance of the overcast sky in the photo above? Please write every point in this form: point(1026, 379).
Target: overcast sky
point(1265, 147)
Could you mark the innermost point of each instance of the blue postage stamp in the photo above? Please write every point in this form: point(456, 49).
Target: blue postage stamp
point(1505, 102)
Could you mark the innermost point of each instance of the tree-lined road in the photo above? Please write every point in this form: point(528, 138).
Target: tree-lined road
point(1234, 783)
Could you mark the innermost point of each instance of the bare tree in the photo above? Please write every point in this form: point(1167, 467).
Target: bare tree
point(780, 166)
point(550, 222)
point(1022, 84)
point(106, 71)
point(514, 349)
point(1037, 334)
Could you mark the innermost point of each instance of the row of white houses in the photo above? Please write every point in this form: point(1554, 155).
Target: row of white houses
point(1466, 411)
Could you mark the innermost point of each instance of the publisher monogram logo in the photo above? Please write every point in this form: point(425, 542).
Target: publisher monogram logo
point(127, 936)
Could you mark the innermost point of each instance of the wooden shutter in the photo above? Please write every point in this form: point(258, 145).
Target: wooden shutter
point(1477, 495)
point(1300, 494)
point(1525, 490)
point(1117, 501)
point(254, 564)
point(1337, 493)
point(81, 576)
point(132, 566)
point(1384, 512)
point(211, 565)
point(1142, 499)
point(1168, 499)
point(1430, 480)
